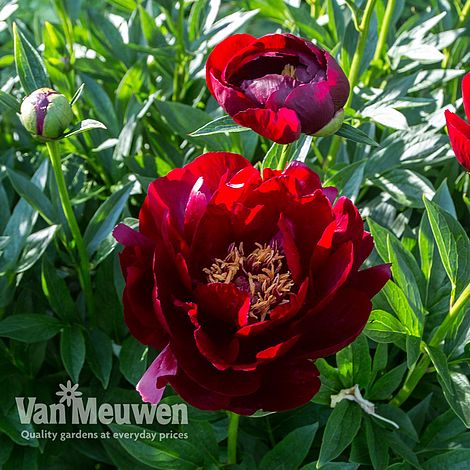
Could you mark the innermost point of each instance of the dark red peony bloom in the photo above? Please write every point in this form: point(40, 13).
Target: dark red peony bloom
point(242, 281)
point(279, 85)
point(459, 130)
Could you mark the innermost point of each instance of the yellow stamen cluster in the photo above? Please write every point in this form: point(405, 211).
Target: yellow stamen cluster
point(288, 71)
point(259, 273)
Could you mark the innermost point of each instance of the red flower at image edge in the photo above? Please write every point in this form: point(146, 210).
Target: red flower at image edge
point(279, 85)
point(242, 281)
point(459, 130)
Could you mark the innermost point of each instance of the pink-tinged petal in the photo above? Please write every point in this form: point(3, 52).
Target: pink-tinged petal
point(282, 126)
point(222, 54)
point(331, 193)
point(337, 82)
point(371, 280)
point(129, 237)
point(152, 384)
point(333, 275)
point(459, 135)
point(466, 94)
point(313, 105)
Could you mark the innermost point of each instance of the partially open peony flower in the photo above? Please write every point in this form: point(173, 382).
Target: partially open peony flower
point(242, 280)
point(279, 85)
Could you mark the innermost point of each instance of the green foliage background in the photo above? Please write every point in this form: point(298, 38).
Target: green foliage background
point(142, 64)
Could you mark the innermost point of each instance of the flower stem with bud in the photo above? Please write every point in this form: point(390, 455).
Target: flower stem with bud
point(83, 267)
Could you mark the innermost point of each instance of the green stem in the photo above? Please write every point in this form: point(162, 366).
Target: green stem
point(232, 437)
point(83, 267)
point(387, 19)
point(353, 72)
point(416, 374)
point(361, 44)
point(464, 13)
point(283, 159)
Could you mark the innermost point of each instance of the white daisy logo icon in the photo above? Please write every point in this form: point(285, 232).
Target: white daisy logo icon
point(68, 393)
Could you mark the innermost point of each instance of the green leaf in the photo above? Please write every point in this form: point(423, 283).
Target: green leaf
point(31, 193)
point(453, 245)
point(387, 384)
point(354, 363)
point(56, 291)
point(8, 102)
point(105, 218)
point(272, 156)
point(348, 180)
point(455, 385)
point(168, 454)
point(98, 100)
point(29, 65)
point(407, 274)
point(356, 135)
point(84, 126)
point(35, 246)
point(30, 327)
point(376, 443)
point(405, 186)
point(341, 428)
point(182, 119)
point(456, 459)
point(219, 125)
point(133, 360)
point(281, 456)
point(398, 301)
point(384, 327)
point(72, 350)
point(99, 355)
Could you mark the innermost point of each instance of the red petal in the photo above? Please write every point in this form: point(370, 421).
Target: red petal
point(313, 105)
point(223, 53)
point(466, 94)
point(302, 180)
point(459, 135)
point(286, 385)
point(282, 126)
point(333, 275)
point(337, 82)
point(222, 304)
point(336, 326)
point(371, 280)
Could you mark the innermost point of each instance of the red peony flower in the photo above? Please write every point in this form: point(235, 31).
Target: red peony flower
point(279, 85)
point(244, 280)
point(459, 130)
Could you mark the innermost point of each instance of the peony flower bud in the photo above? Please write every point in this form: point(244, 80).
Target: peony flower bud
point(46, 114)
